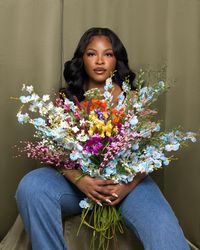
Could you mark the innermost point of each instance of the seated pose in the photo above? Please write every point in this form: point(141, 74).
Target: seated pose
point(44, 196)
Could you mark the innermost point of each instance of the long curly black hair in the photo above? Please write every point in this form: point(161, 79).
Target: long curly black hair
point(74, 72)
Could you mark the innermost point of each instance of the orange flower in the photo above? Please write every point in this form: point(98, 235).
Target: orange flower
point(117, 115)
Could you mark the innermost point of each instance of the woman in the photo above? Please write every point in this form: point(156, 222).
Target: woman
point(43, 196)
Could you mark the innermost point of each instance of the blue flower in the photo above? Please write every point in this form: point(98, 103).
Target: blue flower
point(71, 104)
point(37, 122)
point(107, 95)
point(143, 92)
point(125, 87)
point(25, 99)
point(166, 162)
point(84, 203)
point(75, 155)
point(190, 135)
point(172, 147)
point(133, 121)
point(108, 84)
point(157, 128)
point(108, 172)
point(135, 146)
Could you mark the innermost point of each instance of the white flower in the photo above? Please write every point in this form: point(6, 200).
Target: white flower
point(33, 108)
point(23, 87)
point(75, 129)
point(138, 106)
point(81, 137)
point(29, 89)
point(45, 98)
point(34, 97)
point(82, 122)
point(43, 111)
point(22, 118)
point(50, 106)
point(162, 84)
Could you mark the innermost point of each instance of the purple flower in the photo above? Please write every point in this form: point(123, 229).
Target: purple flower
point(93, 145)
point(99, 114)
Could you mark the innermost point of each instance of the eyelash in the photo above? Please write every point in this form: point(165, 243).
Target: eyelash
point(109, 54)
point(90, 54)
point(93, 54)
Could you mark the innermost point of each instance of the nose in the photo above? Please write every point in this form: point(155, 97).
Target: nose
point(99, 60)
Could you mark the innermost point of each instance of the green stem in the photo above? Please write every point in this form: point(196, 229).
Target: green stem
point(104, 221)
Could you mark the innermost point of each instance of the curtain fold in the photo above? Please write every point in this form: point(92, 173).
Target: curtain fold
point(30, 53)
point(181, 182)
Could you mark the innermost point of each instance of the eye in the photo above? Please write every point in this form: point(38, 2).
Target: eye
point(109, 54)
point(90, 54)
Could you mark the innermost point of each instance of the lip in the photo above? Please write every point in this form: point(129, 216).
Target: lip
point(99, 70)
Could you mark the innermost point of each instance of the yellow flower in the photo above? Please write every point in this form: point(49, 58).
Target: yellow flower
point(99, 124)
point(106, 129)
point(92, 129)
point(115, 129)
point(105, 115)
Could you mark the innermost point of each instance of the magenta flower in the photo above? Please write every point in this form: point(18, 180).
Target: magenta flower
point(94, 145)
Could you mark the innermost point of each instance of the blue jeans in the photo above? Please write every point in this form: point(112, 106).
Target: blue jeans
point(44, 196)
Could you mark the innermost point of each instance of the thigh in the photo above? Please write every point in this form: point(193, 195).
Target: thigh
point(48, 182)
point(144, 201)
point(149, 215)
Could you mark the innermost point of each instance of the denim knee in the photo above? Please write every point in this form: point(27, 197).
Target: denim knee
point(33, 186)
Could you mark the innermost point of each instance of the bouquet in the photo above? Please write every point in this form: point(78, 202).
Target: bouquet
point(102, 138)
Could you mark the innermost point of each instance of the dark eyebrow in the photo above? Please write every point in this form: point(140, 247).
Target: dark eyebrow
point(96, 50)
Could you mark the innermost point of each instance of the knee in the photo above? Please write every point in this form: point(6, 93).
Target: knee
point(30, 187)
point(25, 188)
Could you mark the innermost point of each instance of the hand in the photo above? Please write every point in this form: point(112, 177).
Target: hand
point(120, 191)
point(96, 189)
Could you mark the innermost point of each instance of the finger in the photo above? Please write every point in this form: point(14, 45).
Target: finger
point(115, 202)
point(115, 195)
point(95, 200)
point(105, 182)
point(110, 193)
point(104, 191)
point(102, 198)
point(111, 182)
point(111, 198)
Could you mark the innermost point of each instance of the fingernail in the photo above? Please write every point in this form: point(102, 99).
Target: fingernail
point(109, 201)
point(99, 203)
point(115, 195)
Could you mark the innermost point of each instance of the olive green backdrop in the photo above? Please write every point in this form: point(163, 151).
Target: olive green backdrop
point(37, 36)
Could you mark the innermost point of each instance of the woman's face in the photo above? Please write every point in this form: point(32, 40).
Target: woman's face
point(99, 59)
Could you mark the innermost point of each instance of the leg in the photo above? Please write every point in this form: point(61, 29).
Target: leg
point(147, 213)
point(42, 196)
